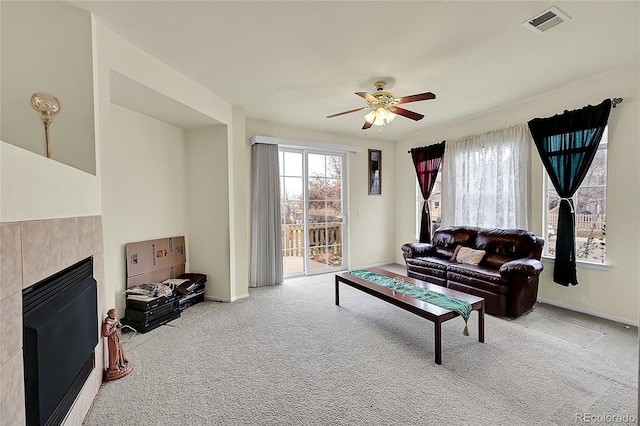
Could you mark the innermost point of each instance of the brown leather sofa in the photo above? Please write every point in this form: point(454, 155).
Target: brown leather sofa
point(506, 277)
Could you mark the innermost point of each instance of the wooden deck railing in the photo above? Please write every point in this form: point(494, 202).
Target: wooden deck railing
point(329, 235)
point(584, 222)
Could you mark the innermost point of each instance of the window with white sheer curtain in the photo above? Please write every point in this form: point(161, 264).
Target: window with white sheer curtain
point(485, 179)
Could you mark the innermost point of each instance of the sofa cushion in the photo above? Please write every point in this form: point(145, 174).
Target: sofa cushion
point(478, 271)
point(451, 236)
point(467, 255)
point(446, 252)
point(515, 243)
point(429, 265)
point(479, 277)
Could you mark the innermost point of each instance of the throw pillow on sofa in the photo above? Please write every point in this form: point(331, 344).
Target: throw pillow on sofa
point(467, 255)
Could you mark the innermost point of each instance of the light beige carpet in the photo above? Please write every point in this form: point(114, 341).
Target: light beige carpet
point(288, 356)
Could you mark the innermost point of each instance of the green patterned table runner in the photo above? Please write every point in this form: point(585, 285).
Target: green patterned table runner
point(398, 284)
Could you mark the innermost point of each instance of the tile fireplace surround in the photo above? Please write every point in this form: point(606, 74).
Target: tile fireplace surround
point(29, 252)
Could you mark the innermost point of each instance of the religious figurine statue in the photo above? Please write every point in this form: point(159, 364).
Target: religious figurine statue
point(119, 366)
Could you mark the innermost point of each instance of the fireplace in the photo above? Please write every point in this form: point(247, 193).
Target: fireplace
point(59, 338)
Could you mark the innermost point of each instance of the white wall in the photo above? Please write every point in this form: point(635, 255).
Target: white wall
point(370, 219)
point(208, 194)
point(115, 54)
point(239, 205)
point(144, 181)
point(612, 293)
point(32, 186)
point(36, 187)
point(46, 47)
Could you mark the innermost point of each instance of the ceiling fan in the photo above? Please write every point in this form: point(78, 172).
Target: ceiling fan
point(383, 106)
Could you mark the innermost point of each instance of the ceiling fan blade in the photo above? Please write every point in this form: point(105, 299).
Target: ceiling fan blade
point(366, 125)
point(367, 96)
point(347, 112)
point(415, 98)
point(409, 114)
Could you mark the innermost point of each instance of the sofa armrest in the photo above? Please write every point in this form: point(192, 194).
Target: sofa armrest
point(416, 249)
point(530, 267)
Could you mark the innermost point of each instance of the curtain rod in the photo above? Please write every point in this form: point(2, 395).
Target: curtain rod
point(409, 152)
point(614, 102)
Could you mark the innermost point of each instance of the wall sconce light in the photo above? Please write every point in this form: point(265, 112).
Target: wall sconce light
point(47, 106)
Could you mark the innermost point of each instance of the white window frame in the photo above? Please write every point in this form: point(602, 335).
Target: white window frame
point(546, 256)
point(307, 271)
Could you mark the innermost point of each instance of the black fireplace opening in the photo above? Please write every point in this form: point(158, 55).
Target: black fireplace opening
point(60, 333)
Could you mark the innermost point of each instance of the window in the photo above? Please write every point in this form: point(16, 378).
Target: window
point(590, 203)
point(434, 205)
point(484, 179)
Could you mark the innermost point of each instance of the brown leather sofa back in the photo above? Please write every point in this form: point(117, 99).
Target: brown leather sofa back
point(515, 243)
point(501, 245)
point(446, 239)
point(451, 236)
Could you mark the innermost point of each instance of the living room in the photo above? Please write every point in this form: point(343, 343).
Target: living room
point(102, 187)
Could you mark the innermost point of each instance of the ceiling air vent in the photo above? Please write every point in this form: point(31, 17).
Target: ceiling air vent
point(546, 20)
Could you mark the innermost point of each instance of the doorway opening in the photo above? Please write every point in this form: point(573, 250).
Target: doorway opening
point(312, 194)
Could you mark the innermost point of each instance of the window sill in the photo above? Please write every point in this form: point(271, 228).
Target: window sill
point(581, 264)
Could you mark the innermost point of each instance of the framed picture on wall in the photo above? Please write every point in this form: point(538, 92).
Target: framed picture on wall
point(375, 172)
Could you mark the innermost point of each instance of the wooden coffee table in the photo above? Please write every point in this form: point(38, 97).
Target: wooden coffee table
point(426, 310)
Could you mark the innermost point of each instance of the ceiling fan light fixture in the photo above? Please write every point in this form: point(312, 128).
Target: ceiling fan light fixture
point(380, 116)
point(370, 117)
point(383, 107)
point(390, 116)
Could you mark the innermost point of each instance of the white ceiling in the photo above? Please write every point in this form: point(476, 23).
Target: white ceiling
point(295, 62)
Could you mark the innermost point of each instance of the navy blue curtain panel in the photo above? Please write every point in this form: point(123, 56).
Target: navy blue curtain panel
point(567, 144)
point(427, 161)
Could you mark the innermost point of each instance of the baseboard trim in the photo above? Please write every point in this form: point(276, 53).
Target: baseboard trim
point(242, 296)
point(226, 299)
point(589, 312)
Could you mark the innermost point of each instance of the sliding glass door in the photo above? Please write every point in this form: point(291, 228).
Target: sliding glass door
point(324, 211)
point(312, 200)
point(292, 211)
